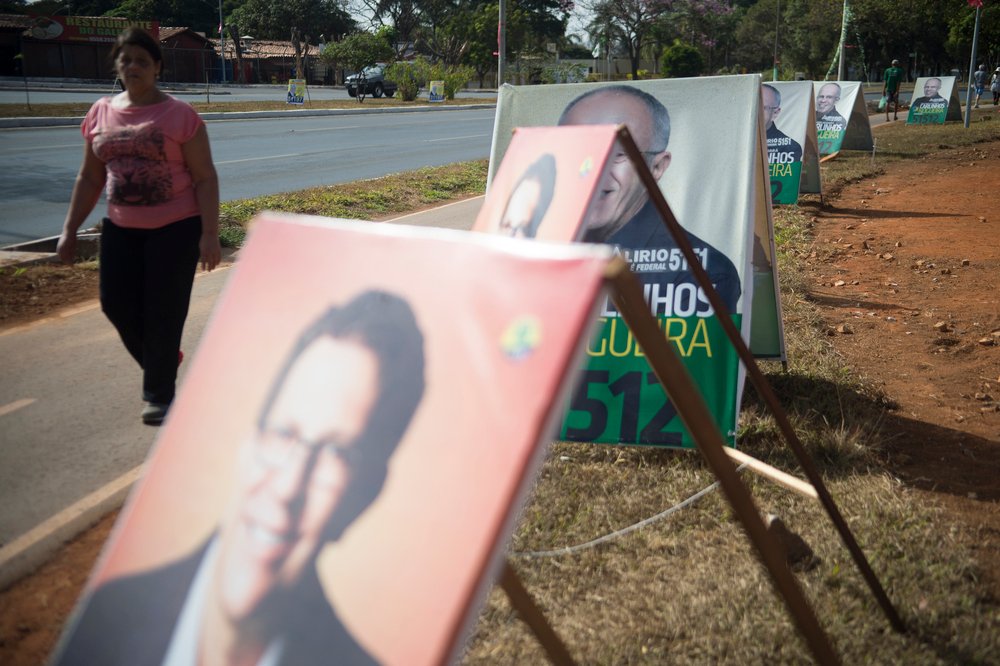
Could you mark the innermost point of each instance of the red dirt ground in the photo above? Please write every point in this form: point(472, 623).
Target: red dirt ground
point(906, 270)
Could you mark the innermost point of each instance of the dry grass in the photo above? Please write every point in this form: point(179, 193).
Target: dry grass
point(899, 141)
point(688, 589)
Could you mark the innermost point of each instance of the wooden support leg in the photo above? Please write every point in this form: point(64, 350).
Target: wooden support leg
point(699, 422)
point(533, 617)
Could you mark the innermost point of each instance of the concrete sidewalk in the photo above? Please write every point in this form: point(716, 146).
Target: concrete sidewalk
point(69, 414)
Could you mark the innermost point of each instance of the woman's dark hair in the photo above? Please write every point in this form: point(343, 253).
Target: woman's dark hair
point(133, 36)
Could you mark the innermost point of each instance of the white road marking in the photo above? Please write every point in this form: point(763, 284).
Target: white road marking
point(16, 405)
point(327, 129)
point(258, 159)
point(457, 138)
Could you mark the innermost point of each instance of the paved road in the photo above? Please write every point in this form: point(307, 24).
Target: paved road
point(12, 92)
point(253, 157)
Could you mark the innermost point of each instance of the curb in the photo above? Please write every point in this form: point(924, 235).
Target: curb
point(27, 552)
point(9, 123)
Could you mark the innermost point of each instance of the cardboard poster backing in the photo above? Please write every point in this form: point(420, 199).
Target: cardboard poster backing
point(845, 126)
point(796, 121)
point(406, 576)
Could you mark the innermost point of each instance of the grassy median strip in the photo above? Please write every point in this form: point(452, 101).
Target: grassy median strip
point(362, 200)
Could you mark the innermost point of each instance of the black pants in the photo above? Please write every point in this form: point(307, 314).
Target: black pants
point(146, 278)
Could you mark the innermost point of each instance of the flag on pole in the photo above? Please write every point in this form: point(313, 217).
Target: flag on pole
point(220, 27)
point(976, 3)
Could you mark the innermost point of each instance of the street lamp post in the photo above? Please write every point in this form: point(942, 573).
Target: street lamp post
point(222, 43)
point(841, 69)
point(972, 68)
point(502, 44)
point(777, 19)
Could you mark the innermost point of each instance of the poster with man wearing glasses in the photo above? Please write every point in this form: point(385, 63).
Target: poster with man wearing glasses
point(792, 148)
point(314, 496)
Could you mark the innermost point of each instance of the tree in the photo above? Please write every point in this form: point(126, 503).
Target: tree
point(196, 15)
point(358, 51)
point(481, 32)
point(754, 38)
point(402, 15)
point(628, 24)
point(708, 25)
point(273, 19)
point(681, 59)
point(410, 77)
point(234, 36)
point(811, 33)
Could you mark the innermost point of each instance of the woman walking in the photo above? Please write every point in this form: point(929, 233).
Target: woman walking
point(151, 152)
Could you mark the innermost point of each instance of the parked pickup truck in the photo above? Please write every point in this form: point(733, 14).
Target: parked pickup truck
point(375, 83)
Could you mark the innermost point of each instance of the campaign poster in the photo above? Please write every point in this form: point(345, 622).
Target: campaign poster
point(935, 99)
point(296, 91)
point(841, 117)
point(710, 162)
point(435, 91)
point(546, 182)
point(792, 151)
point(337, 478)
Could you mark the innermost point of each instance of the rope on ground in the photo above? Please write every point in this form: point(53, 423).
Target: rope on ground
point(570, 550)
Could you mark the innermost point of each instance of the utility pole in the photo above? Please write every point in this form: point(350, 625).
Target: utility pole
point(972, 68)
point(222, 43)
point(502, 44)
point(841, 70)
point(777, 20)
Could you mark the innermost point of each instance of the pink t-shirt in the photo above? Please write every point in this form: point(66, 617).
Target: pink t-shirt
point(149, 185)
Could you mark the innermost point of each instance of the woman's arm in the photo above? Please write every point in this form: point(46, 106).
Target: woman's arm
point(198, 158)
point(86, 191)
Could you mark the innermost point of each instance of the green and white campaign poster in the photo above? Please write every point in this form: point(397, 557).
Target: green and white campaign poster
point(841, 117)
point(935, 99)
point(792, 150)
point(296, 91)
point(703, 142)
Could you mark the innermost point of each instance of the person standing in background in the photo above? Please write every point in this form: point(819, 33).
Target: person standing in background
point(995, 86)
point(891, 79)
point(979, 83)
point(151, 152)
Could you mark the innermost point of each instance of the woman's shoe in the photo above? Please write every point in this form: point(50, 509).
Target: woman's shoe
point(154, 413)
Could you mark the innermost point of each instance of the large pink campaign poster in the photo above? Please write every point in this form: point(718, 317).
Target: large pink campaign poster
point(339, 473)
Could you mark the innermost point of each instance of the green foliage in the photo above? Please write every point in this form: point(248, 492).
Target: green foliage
point(628, 25)
point(357, 51)
point(410, 77)
point(565, 73)
point(274, 19)
point(454, 76)
point(232, 235)
point(681, 60)
point(198, 16)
